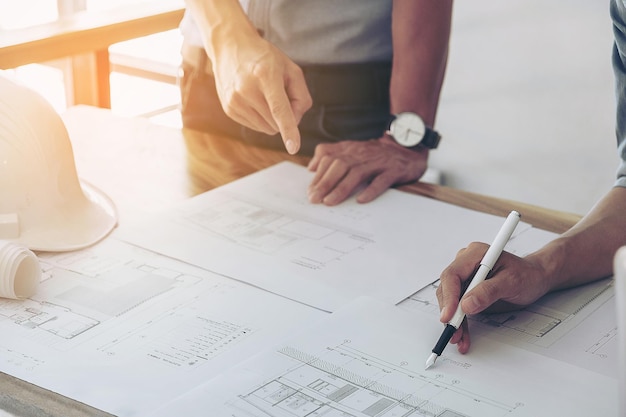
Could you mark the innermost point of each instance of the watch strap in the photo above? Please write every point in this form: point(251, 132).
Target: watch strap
point(431, 139)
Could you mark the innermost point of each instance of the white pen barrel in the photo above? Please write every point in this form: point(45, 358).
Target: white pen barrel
point(501, 239)
point(479, 277)
point(458, 317)
point(489, 260)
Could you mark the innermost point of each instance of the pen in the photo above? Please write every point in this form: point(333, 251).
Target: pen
point(486, 264)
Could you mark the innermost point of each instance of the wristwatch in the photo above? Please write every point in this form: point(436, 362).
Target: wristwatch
point(409, 130)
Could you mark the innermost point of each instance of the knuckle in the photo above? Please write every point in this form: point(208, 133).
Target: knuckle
point(322, 150)
point(231, 100)
point(342, 189)
point(489, 294)
point(296, 69)
point(339, 164)
point(277, 107)
point(261, 70)
point(307, 101)
point(385, 180)
point(358, 171)
point(439, 294)
point(323, 187)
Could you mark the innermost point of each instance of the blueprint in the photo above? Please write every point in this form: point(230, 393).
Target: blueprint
point(261, 229)
point(170, 315)
point(576, 325)
point(124, 330)
point(19, 271)
point(368, 360)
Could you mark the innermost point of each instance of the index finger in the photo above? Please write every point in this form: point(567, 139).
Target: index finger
point(281, 111)
point(448, 294)
point(455, 276)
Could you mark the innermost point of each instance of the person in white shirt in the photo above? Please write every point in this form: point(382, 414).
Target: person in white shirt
point(322, 77)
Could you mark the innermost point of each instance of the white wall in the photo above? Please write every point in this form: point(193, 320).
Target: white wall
point(528, 109)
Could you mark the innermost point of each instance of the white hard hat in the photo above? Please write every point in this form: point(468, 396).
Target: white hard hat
point(42, 203)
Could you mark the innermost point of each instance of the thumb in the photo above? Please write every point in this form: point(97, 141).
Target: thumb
point(481, 297)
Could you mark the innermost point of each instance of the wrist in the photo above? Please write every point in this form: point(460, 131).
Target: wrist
point(388, 140)
point(551, 261)
point(410, 131)
point(227, 38)
point(224, 24)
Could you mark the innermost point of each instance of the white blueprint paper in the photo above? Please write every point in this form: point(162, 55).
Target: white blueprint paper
point(619, 268)
point(261, 229)
point(576, 325)
point(125, 330)
point(368, 360)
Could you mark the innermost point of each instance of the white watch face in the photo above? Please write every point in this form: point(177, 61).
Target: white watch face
point(407, 129)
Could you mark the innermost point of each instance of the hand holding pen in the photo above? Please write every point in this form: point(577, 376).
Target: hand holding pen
point(485, 266)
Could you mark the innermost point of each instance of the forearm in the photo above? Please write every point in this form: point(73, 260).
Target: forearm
point(585, 252)
point(421, 33)
point(221, 22)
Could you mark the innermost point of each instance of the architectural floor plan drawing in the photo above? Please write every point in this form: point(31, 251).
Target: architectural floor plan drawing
point(318, 255)
point(81, 291)
point(574, 325)
point(367, 360)
point(55, 320)
point(125, 330)
point(343, 382)
point(257, 227)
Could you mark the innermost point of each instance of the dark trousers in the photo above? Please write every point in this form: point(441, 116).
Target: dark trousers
point(349, 102)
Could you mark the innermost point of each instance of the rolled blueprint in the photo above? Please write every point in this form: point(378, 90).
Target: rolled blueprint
point(20, 271)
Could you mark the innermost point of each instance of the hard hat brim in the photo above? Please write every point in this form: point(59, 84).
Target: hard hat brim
point(84, 227)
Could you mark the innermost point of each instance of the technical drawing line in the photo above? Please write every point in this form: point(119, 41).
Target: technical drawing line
point(606, 339)
point(541, 324)
point(359, 382)
point(351, 214)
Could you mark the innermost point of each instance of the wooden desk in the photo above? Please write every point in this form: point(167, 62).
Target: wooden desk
point(146, 168)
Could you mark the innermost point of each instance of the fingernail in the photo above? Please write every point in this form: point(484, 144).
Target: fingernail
point(470, 305)
point(314, 197)
point(291, 146)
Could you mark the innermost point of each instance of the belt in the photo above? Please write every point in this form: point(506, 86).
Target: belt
point(335, 84)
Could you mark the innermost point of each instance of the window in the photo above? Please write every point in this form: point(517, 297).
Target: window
point(16, 14)
point(143, 70)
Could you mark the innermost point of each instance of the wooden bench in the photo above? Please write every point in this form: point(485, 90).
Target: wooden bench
point(85, 37)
